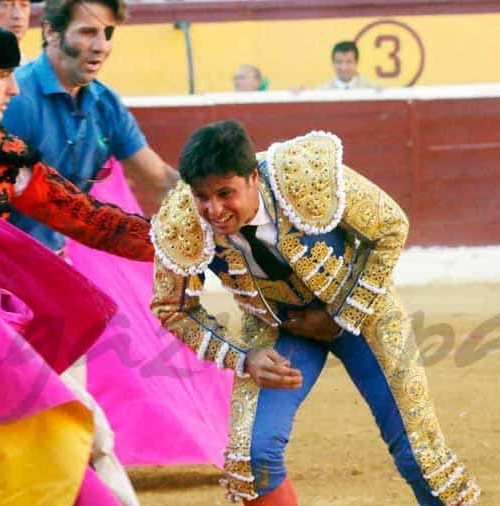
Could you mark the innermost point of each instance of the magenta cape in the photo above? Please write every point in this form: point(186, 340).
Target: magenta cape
point(165, 406)
point(69, 313)
point(30, 386)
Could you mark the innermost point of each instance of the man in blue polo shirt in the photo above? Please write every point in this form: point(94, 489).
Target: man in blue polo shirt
point(69, 116)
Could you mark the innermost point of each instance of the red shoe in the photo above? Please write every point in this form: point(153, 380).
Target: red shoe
point(284, 495)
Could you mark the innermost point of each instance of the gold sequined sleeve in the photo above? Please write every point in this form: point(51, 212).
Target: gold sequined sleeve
point(378, 221)
point(176, 303)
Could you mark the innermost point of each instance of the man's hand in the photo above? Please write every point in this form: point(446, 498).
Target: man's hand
point(270, 370)
point(312, 323)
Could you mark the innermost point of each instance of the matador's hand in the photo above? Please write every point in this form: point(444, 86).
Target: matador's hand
point(270, 370)
point(312, 323)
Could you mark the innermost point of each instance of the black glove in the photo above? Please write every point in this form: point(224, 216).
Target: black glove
point(16, 153)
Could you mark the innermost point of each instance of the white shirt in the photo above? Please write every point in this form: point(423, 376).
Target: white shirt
point(266, 232)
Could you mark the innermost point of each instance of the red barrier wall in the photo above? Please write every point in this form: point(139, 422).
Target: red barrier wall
point(217, 11)
point(438, 158)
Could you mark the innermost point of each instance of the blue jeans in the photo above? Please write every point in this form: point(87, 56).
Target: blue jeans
point(277, 407)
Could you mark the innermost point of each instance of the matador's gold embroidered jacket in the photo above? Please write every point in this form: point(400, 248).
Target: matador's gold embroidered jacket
point(340, 233)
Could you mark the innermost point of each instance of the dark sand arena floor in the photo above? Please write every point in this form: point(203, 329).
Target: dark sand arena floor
point(336, 457)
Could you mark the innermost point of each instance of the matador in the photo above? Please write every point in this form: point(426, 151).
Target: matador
point(336, 238)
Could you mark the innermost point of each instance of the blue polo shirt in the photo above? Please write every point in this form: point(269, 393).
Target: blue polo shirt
point(76, 137)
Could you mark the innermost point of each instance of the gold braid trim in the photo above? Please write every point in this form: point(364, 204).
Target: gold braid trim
point(377, 220)
point(239, 479)
point(181, 238)
point(184, 247)
point(306, 177)
point(183, 315)
point(317, 272)
point(315, 192)
point(292, 291)
point(242, 284)
point(328, 277)
point(389, 334)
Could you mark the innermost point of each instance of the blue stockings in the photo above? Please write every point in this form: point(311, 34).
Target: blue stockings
point(276, 410)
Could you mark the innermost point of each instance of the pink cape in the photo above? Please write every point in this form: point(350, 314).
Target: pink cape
point(165, 406)
point(68, 312)
point(30, 385)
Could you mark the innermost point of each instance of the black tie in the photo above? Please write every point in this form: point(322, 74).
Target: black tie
point(274, 269)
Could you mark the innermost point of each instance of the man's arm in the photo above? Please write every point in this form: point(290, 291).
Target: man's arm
point(146, 167)
point(53, 200)
point(378, 221)
point(42, 193)
point(177, 305)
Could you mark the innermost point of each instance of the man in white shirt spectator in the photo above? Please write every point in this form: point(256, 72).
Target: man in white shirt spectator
point(345, 57)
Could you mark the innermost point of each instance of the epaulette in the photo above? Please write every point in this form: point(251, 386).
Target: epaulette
point(306, 177)
point(181, 238)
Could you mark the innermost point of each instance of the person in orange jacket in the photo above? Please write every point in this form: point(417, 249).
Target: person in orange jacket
point(28, 273)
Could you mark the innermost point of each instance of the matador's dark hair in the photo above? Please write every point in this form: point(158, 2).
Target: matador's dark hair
point(217, 149)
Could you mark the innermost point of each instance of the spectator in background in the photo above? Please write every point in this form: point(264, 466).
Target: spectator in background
point(15, 16)
point(249, 78)
point(345, 57)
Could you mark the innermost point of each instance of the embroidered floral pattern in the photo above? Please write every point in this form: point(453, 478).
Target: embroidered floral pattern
point(15, 152)
point(306, 176)
point(182, 239)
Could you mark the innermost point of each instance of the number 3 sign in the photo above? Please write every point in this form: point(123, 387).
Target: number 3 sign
point(391, 53)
